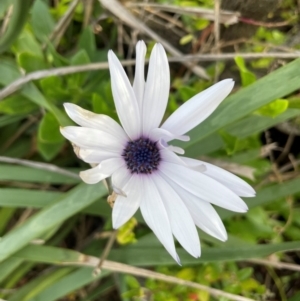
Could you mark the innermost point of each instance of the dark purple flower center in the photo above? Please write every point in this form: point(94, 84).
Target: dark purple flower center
point(141, 156)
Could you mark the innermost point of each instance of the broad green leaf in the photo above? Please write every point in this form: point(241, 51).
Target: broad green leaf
point(247, 76)
point(31, 62)
point(14, 197)
point(70, 283)
point(274, 108)
point(66, 206)
point(26, 42)
point(16, 23)
point(75, 81)
point(267, 195)
point(17, 104)
point(87, 42)
point(49, 150)
point(39, 284)
point(8, 266)
point(135, 255)
point(9, 119)
point(149, 256)
point(41, 20)
point(27, 174)
point(275, 85)
point(49, 130)
point(30, 91)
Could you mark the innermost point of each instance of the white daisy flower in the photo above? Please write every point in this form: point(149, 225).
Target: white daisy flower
point(174, 193)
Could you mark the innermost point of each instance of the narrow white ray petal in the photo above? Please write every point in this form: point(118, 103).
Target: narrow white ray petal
point(198, 108)
point(203, 213)
point(139, 76)
point(158, 133)
point(119, 179)
point(168, 156)
point(96, 155)
point(237, 185)
point(96, 121)
point(155, 215)
point(156, 90)
point(91, 138)
point(126, 206)
point(182, 224)
point(162, 144)
point(101, 171)
point(203, 187)
point(124, 97)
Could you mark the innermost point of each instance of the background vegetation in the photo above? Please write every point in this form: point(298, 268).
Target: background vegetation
point(54, 227)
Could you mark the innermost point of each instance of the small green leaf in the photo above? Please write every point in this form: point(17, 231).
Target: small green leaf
point(49, 130)
point(186, 39)
point(274, 108)
point(49, 150)
point(87, 42)
point(17, 104)
point(41, 20)
point(31, 62)
point(247, 76)
point(75, 81)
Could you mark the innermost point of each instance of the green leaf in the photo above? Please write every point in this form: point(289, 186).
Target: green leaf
point(49, 130)
point(75, 81)
point(87, 42)
point(26, 42)
point(274, 108)
point(186, 39)
point(41, 20)
point(275, 85)
point(17, 104)
point(16, 23)
point(31, 62)
point(50, 140)
point(247, 76)
point(28, 174)
point(49, 150)
point(148, 256)
point(69, 204)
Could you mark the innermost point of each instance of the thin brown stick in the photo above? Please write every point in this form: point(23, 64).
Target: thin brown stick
point(226, 17)
point(217, 35)
point(117, 9)
point(17, 84)
point(104, 255)
point(39, 165)
point(63, 23)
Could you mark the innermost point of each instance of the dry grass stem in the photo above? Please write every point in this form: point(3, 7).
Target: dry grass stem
point(116, 8)
point(226, 17)
point(17, 84)
point(39, 165)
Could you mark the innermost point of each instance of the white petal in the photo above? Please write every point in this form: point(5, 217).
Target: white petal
point(124, 97)
point(91, 138)
point(182, 223)
point(158, 133)
point(139, 76)
point(119, 179)
point(203, 213)
point(97, 121)
point(162, 144)
point(101, 171)
point(96, 155)
point(168, 156)
point(126, 206)
point(203, 187)
point(156, 90)
point(236, 184)
point(198, 108)
point(155, 215)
